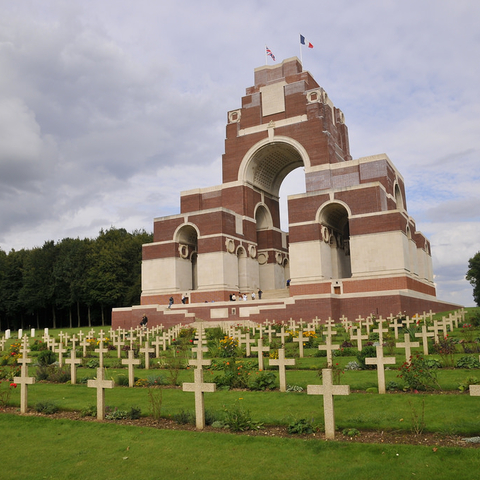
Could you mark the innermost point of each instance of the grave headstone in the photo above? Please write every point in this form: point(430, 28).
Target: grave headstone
point(73, 361)
point(380, 361)
point(328, 390)
point(424, 335)
point(131, 361)
point(407, 345)
point(199, 387)
point(260, 349)
point(100, 384)
point(281, 362)
point(147, 350)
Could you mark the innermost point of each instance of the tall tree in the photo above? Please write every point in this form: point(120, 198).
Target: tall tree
point(473, 276)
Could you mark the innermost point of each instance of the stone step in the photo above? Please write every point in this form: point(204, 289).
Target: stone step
point(279, 293)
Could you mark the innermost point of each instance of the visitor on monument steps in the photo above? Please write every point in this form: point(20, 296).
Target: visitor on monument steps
point(144, 321)
point(260, 294)
point(233, 298)
point(253, 295)
point(288, 282)
point(170, 302)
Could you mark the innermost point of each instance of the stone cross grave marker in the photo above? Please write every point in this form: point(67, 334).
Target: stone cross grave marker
point(119, 343)
point(407, 345)
point(101, 350)
point(408, 321)
point(269, 332)
point(329, 347)
point(328, 390)
point(283, 335)
point(199, 362)
point(131, 361)
point(436, 327)
point(380, 330)
point(2, 343)
point(84, 344)
point(329, 324)
point(282, 362)
point(396, 324)
point(358, 337)
point(100, 384)
point(147, 350)
point(260, 349)
point(380, 361)
point(368, 323)
point(199, 387)
point(424, 335)
point(60, 350)
point(73, 361)
point(24, 380)
point(156, 343)
point(300, 339)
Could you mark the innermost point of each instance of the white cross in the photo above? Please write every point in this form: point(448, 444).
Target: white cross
point(282, 362)
point(260, 349)
point(130, 361)
point(199, 388)
point(100, 384)
point(407, 345)
point(380, 361)
point(328, 390)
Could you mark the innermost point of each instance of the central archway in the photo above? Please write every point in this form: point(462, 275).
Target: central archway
point(268, 162)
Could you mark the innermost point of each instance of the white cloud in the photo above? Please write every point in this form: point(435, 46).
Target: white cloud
point(108, 108)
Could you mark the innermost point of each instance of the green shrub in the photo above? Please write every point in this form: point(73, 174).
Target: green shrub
point(418, 375)
point(300, 427)
point(238, 419)
point(263, 381)
point(122, 380)
point(465, 385)
point(367, 352)
point(46, 357)
point(350, 432)
point(183, 417)
point(46, 407)
point(468, 362)
point(52, 373)
point(90, 411)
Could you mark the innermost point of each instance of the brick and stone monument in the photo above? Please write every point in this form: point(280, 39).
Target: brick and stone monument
point(351, 247)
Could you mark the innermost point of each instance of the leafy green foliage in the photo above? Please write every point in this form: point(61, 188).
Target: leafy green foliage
point(300, 427)
point(47, 407)
point(57, 282)
point(473, 276)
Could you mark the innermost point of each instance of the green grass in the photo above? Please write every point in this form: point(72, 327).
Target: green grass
point(39, 448)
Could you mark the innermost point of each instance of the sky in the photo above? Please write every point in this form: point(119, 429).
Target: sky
point(110, 108)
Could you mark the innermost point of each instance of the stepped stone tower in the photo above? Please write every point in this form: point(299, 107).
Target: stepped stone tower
point(351, 248)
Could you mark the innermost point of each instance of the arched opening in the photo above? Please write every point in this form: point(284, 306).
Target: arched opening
point(335, 227)
point(187, 240)
point(398, 198)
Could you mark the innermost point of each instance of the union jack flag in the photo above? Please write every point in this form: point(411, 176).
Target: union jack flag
point(269, 53)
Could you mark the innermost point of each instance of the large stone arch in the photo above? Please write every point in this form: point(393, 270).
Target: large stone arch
point(268, 162)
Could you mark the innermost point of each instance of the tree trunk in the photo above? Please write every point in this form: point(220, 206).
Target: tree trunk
point(70, 315)
point(89, 317)
point(78, 314)
point(54, 318)
point(38, 320)
point(103, 317)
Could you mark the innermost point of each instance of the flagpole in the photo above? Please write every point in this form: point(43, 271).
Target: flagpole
point(266, 56)
point(301, 59)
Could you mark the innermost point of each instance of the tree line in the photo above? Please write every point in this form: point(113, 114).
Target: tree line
point(73, 282)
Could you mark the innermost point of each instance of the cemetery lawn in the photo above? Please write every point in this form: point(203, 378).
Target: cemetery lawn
point(37, 448)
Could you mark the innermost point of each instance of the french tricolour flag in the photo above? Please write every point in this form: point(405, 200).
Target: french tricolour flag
point(305, 42)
